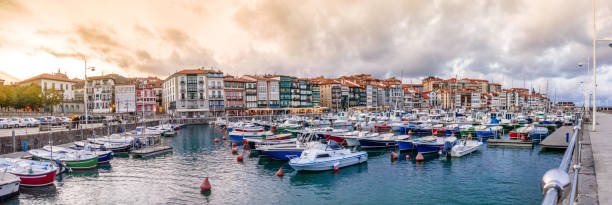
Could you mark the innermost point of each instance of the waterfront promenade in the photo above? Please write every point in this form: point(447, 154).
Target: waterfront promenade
point(601, 143)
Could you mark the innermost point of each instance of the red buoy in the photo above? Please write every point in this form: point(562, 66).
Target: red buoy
point(205, 186)
point(239, 158)
point(407, 157)
point(409, 132)
point(453, 134)
point(469, 136)
point(419, 157)
point(280, 172)
point(233, 144)
point(336, 169)
point(393, 156)
point(224, 138)
point(234, 150)
point(216, 140)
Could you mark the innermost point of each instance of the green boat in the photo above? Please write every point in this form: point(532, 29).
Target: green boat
point(465, 133)
point(72, 160)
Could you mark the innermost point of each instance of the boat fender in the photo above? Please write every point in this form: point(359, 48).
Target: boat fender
point(336, 169)
point(419, 157)
point(205, 186)
point(234, 150)
point(393, 156)
point(239, 158)
point(407, 157)
point(280, 172)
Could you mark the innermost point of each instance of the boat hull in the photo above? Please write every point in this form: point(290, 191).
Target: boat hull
point(329, 164)
point(34, 180)
point(405, 145)
point(9, 186)
point(282, 155)
point(371, 144)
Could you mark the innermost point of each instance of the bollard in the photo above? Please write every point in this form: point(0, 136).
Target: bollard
point(567, 137)
point(25, 146)
point(14, 145)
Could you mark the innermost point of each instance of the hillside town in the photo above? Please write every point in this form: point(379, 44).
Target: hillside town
point(207, 92)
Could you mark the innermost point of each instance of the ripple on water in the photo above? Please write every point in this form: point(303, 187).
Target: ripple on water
point(491, 176)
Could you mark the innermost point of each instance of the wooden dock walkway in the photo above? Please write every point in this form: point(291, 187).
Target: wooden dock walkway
point(150, 151)
point(557, 140)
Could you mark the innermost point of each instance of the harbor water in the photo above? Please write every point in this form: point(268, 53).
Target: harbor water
point(491, 176)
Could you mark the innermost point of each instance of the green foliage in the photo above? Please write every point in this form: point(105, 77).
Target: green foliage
point(31, 96)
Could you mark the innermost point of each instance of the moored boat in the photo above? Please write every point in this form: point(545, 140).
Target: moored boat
point(30, 172)
point(323, 157)
point(9, 185)
point(464, 147)
point(73, 161)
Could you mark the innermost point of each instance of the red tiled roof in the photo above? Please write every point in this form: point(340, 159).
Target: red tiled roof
point(53, 76)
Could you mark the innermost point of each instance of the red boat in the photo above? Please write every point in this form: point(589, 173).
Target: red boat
point(31, 173)
point(520, 133)
point(383, 128)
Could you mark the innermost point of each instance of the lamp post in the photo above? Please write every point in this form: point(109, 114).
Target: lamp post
point(595, 65)
point(85, 88)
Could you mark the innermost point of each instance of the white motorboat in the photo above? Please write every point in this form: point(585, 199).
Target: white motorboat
point(464, 147)
point(321, 157)
point(9, 185)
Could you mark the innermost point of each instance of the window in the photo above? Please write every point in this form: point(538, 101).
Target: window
point(322, 155)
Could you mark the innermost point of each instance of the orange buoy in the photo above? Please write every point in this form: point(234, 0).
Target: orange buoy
point(205, 186)
point(336, 169)
point(393, 156)
point(452, 134)
point(216, 140)
point(280, 172)
point(234, 150)
point(469, 136)
point(239, 158)
point(407, 157)
point(419, 157)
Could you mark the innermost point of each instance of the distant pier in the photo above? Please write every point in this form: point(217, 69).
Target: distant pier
point(558, 139)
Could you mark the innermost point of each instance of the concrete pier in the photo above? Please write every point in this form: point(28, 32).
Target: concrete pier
point(601, 145)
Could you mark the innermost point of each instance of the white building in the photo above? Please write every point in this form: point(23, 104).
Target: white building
point(125, 98)
point(475, 100)
point(214, 80)
point(59, 82)
point(184, 93)
point(100, 91)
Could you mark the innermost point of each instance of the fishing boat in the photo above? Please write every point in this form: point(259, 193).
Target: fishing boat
point(75, 161)
point(433, 145)
point(104, 157)
point(238, 136)
point(380, 141)
point(438, 129)
point(424, 128)
point(452, 129)
point(382, 128)
point(114, 138)
point(520, 133)
point(538, 133)
point(31, 173)
point(321, 157)
point(486, 131)
point(464, 147)
point(405, 142)
point(103, 146)
point(9, 185)
point(465, 130)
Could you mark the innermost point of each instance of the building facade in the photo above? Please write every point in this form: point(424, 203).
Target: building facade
point(185, 93)
point(125, 98)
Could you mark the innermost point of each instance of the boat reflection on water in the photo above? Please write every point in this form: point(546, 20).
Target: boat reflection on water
point(38, 192)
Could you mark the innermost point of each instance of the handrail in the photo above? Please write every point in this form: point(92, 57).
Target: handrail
point(555, 182)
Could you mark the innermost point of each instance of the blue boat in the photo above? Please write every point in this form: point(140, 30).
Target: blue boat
point(405, 145)
point(427, 145)
point(381, 141)
point(284, 154)
point(238, 136)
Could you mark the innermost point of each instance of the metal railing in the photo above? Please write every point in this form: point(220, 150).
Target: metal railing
point(556, 182)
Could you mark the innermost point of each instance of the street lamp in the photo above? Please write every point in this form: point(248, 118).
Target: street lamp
point(85, 92)
point(586, 91)
point(595, 65)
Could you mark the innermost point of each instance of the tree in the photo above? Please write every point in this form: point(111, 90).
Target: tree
point(52, 98)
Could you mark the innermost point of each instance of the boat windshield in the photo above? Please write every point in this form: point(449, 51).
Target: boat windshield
point(322, 155)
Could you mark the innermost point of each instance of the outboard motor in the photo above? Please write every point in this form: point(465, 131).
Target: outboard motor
point(61, 166)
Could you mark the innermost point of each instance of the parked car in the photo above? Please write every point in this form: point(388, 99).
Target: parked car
point(18, 122)
point(31, 122)
point(50, 120)
point(5, 123)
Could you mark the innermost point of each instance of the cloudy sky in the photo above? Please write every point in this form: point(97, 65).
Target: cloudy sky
point(520, 43)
